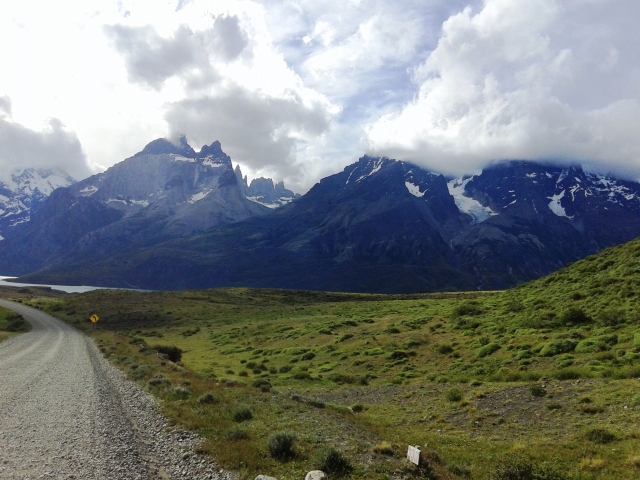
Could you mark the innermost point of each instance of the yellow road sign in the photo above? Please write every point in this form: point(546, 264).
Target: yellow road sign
point(94, 318)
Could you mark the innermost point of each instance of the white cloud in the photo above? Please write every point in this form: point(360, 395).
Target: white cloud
point(54, 146)
point(541, 80)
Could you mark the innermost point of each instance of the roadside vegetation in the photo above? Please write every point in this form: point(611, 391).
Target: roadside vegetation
point(11, 323)
point(538, 382)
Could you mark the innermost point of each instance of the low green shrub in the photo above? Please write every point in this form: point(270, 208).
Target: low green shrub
point(524, 468)
point(173, 353)
point(454, 395)
point(600, 436)
point(487, 350)
point(208, 399)
point(242, 414)
point(333, 462)
point(280, 446)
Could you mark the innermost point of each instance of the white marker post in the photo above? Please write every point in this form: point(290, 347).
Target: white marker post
point(413, 455)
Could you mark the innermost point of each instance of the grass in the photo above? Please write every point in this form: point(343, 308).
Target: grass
point(475, 376)
point(11, 323)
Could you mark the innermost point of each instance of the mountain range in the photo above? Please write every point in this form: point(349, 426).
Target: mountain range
point(171, 218)
point(23, 190)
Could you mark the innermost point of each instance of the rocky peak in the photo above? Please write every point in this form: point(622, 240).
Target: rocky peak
point(162, 146)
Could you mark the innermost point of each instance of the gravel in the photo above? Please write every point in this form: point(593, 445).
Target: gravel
point(65, 413)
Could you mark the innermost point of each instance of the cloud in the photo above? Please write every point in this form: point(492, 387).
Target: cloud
point(5, 105)
point(53, 147)
point(234, 86)
point(538, 80)
point(259, 130)
point(152, 59)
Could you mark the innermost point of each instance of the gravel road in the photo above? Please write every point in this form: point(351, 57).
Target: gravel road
point(65, 412)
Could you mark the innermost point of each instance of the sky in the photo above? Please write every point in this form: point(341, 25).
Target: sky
point(298, 89)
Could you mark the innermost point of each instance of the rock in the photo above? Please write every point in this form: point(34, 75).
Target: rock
point(264, 477)
point(315, 475)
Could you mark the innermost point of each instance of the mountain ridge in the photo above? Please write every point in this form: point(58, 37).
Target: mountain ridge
point(388, 226)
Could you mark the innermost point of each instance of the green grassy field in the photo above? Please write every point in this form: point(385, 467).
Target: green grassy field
point(547, 374)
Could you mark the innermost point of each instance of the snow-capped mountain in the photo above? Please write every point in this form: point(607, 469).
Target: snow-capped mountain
point(380, 225)
point(167, 190)
point(23, 190)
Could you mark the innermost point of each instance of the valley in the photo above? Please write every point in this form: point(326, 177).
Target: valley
point(543, 375)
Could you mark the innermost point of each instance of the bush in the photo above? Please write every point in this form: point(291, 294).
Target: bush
point(453, 395)
point(575, 316)
point(517, 468)
point(173, 353)
point(357, 407)
point(333, 463)
point(537, 390)
point(467, 308)
point(384, 448)
point(208, 399)
point(242, 414)
point(159, 380)
point(180, 393)
point(487, 350)
point(557, 347)
point(280, 446)
point(600, 436)
point(444, 348)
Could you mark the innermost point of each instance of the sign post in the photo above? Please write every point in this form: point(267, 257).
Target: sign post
point(413, 455)
point(94, 319)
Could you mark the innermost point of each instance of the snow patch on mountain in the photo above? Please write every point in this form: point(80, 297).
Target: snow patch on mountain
point(556, 207)
point(414, 189)
point(468, 205)
point(199, 196)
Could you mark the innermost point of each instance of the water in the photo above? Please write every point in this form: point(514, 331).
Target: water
point(62, 288)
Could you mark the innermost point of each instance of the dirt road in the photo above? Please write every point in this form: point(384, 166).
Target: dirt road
point(66, 413)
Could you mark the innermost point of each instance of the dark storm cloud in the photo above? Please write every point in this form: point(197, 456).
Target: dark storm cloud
point(53, 147)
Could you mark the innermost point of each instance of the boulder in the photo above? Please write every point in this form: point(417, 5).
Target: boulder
point(315, 475)
point(264, 477)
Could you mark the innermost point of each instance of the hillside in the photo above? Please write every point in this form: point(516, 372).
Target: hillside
point(546, 372)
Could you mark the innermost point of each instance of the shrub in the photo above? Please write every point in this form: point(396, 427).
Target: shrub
point(159, 380)
point(444, 348)
point(398, 355)
point(557, 347)
point(357, 407)
point(180, 393)
point(575, 316)
point(173, 353)
point(207, 399)
point(519, 468)
point(384, 448)
point(537, 390)
point(600, 436)
point(453, 395)
point(487, 350)
point(302, 375)
point(467, 308)
point(280, 446)
point(242, 414)
point(308, 356)
point(262, 383)
point(333, 463)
